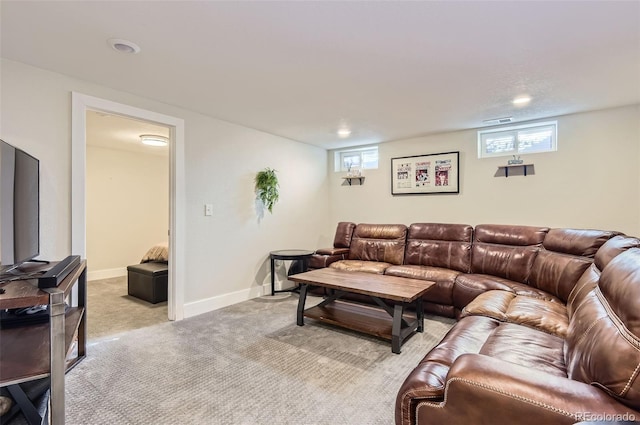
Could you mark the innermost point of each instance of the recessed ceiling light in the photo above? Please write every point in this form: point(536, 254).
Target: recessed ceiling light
point(521, 100)
point(154, 140)
point(123, 46)
point(344, 132)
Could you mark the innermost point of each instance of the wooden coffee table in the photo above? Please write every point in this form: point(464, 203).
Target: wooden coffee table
point(384, 321)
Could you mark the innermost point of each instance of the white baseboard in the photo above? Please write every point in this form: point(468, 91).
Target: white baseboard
point(214, 303)
point(106, 273)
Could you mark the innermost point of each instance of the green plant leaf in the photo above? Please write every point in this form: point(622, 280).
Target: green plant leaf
point(266, 187)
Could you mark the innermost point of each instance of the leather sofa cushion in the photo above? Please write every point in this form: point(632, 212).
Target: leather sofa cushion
point(321, 261)
point(361, 266)
point(444, 310)
point(469, 286)
point(479, 335)
point(602, 346)
point(545, 315)
point(506, 251)
point(332, 251)
point(509, 262)
point(428, 378)
point(439, 245)
point(441, 293)
point(344, 232)
point(579, 242)
point(557, 273)
point(510, 235)
point(526, 347)
point(587, 282)
point(612, 248)
point(378, 242)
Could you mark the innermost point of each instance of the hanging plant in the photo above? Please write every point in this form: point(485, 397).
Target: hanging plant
point(267, 187)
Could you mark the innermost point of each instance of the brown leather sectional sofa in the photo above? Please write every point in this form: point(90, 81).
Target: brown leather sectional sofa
point(548, 320)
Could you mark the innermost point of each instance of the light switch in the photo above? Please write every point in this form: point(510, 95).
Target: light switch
point(208, 209)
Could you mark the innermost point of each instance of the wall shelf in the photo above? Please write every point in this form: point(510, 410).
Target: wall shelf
point(506, 168)
point(348, 179)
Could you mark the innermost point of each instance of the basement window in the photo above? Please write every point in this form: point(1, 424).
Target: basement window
point(363, 158)
point(518, 140)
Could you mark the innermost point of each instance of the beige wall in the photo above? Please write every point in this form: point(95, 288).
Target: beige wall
point(127, 208)
point(226, 253)
point(590, 182)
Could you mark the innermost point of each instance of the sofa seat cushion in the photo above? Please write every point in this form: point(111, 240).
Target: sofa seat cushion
point(428, 379)
point(512, 343)
point(546, 315)
point(442, 292)
point(469, 286)
point(361, 266)
point(527, 347)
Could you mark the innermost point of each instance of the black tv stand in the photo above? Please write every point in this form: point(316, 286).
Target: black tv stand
point(39, 261)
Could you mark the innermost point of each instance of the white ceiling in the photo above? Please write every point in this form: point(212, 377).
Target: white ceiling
point(389, 70)
point(117, 132)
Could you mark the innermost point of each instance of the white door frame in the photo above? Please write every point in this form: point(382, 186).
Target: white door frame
point(80, 104)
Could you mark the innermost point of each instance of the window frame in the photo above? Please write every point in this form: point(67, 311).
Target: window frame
point(482, 153)
point(340, 154)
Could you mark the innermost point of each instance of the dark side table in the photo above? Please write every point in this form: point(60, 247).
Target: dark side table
point(302, 255)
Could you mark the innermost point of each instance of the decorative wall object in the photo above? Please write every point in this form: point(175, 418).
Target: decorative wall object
point(267, 188)
point(425, 174)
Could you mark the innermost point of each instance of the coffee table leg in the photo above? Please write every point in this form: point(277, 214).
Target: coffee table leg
point(420, 315)
point(396, 328)
point(301, 301)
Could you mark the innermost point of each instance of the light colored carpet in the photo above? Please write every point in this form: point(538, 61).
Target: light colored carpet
point(111, 311)
point(245, 364)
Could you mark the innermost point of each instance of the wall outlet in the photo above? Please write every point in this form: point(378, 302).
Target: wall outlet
point(208, 209)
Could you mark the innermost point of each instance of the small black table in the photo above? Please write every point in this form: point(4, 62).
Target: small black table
point(288, 254)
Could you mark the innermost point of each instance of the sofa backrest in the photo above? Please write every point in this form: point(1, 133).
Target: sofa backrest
point(379, 242)
point(603, 344)
point(589, 279)
point(439, 245)
point(344, 233)
point(565, 255)
point(506, 251)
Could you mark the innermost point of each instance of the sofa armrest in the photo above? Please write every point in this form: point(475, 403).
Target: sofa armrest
point(481, 389)
point(324, 257)
point(332, 251)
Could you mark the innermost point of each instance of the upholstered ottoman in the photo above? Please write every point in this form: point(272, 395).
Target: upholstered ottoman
point(148, 281)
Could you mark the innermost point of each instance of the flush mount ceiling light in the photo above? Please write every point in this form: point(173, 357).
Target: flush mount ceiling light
point(154, 140)
point(123, 46)
point(522, 100)
point(344, 132)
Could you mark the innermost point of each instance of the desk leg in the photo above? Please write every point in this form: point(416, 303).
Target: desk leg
point(301, 300)
point(273, 277)
point(396, 328)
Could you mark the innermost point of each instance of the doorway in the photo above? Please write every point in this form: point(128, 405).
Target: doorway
point(80, 105)
point(127, 203)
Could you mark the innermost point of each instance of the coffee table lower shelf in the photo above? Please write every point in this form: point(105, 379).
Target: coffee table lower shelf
point(356, 317)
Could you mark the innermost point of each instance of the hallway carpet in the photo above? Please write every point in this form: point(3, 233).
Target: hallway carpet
point(244, 364)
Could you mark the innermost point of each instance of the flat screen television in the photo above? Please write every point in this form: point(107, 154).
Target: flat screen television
point(19, 208)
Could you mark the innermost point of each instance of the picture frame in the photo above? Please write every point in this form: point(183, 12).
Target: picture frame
point(435, 173)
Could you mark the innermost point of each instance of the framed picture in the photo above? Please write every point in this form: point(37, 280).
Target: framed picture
point(425, 174)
